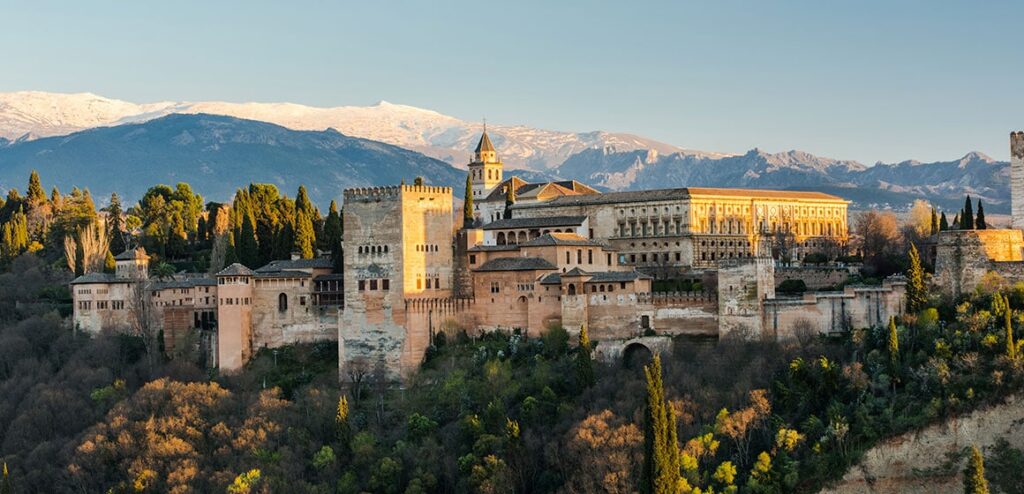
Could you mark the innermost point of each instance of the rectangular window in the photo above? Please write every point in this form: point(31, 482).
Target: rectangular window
point(302, 300)
point(437, 283)
point(472, 258)
point(590, 256)
point(567, 258)
point(385, 284)
point(362, 285)
point(428, 283)
point(579, 256)
point(495, 287)
point(643, 257)
point(419, 284)
point(609, 259)
point(373, 284)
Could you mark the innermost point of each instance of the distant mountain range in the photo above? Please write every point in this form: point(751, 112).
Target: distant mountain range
point(216, 155)
point(31, 121)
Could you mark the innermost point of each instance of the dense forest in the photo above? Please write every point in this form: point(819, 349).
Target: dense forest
point(497, 413)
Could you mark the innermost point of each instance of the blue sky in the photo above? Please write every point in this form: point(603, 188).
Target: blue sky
point(859, 80)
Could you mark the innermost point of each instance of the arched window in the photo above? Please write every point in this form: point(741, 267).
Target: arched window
point(501, 238)
point(572, 289)
point(282, 302)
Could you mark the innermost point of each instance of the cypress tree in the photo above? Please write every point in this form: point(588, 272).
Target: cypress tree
point(974, 474)
point(967, 218)
point(979, 223)
point(467, 204)
point(5, 484)
point(333, 234)
point(943, 223)
point(934, 222)
point(36, 194)
point(893, 346)
point(917, 292)
point(116, 224)
point(304, 236)
point(302, 202)
point(584, 362)
point(1011, 344)
point(246, 248)
point(660, 474)
point(79, 257)
point(510, 199)
point(956, 221)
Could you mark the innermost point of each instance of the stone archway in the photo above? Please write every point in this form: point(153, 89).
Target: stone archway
point(636, 355)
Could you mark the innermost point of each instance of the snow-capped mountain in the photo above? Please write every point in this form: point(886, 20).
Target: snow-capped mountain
point(40, 114)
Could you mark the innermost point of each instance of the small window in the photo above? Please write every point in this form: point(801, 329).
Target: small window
point(428, 283)
point(472, 258)
point(385, 284)
point(362, 285)
point(282, 302)
point(302, 300)
point(373, 285)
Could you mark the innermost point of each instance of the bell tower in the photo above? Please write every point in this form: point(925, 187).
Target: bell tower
point(485, 169)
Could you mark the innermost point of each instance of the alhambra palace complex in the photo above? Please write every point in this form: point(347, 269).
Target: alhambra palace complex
point(537, 255)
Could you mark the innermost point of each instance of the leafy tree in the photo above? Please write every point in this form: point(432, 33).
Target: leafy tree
point(109, 265)
point(943, 222)
point(661, 467)
point(418, 181)
point(333, 236)
point(244, 482)
point(974, 474)
point(304, 234)
point(893, 346)
point(584, 362)
point(917, 292)
point(36, 195)
point(979, 221)
point(1011, 344)
point(341, 420)
point(467, 204)
point(967, 218)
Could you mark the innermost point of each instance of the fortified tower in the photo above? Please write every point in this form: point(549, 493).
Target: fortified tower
point(743, 286)
point(1017, 179)
point(234, 317)
point(486, 168)
point(398, 246)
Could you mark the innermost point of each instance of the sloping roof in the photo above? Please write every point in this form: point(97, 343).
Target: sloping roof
point(330, 277)
point(485, 144)
point(516, 264)
point(551, 279)
point(535, 190)
point(235, 269)
point(132, 254)
point(541, 222)
point(676, 194)
point(98, 278)
point(617, 276)
point(493, 248)
point(287, 273)
point(286, 264)
point(561, 239)
point(576, 272)
point(185, 283)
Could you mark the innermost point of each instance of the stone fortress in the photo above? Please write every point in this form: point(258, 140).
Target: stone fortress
point(535, 255)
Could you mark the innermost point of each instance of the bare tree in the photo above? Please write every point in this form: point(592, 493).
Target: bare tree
point(94, 241)
point(663, 268)
point(783, 243)
point(357, 369)
point(144, 319)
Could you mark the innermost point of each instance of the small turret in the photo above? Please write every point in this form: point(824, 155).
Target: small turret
point(485, 170)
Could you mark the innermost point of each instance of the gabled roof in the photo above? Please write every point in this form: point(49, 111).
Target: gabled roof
point(516, 264)
point(617, 276)
point(132, 254)
point(542, 222)
point(286, 264)
point(575, 272)
point(538, 190)
point(185, 283)
point(485, 144)
point(235, 269)
point(493, 248)
point(562, 239)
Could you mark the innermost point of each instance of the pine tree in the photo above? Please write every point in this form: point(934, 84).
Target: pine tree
point(333, 235)
point(56, 200)
point(1011, 344)
point(967, 218)
point(467, 204)
point(893, 346)
point(917, 292)
point(584, 361)
point(943, 223)
point(934, 222)
point(974, 474)
point(36, 194)
point(979, 222)
point(302, 202)
point(661, 467)
point(304, 236)
point(116, 224)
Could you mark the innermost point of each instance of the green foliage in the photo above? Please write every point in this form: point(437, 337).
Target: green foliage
point(467, 204)
point(244, 482)
point(5, 482)
point(305, 237)
point(943, 222)
point(917, 291)
point(893, 345)
point(792, 287)
point(1003, 466)
point(979, 221)
point(661, 467)
point(324, 458)
point(333, 236)
point(584, 362)
point(556, 340)
point(967, 218)
point(974, 474)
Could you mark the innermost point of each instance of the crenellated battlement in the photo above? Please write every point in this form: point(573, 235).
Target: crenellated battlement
point(392, 192)
point(1017, 144)
point(446, 304)
point(670, 298)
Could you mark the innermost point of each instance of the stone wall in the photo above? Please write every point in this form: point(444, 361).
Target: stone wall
point(299, 322)
point(835, 312)
point(1017, 179)
point(743, 284)
point(816, 278)
point(963, 257)
point(911, 463)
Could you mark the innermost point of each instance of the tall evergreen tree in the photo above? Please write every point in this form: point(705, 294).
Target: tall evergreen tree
point(893, 346)
point(56, 200)
point(116, 223)
point(917, 292)
point(661, 468)
point(956, 221)
point(246, 248)
point(79, 258)
point(1011, 343)
point(979, 222)
point(304, 235)
point(967, 218)
point(36, 194)
point(467, 204)
point(584, 362)
point(510, 199)
point(943, 223)
point(974, 474)
point(934, 223)
point(333, 234)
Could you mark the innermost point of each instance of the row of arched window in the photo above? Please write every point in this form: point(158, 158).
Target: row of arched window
point(373, 249)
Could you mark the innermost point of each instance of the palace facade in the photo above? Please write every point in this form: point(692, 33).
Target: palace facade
point(537, 255)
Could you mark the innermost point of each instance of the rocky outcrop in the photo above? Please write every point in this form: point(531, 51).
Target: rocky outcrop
point(929, 460)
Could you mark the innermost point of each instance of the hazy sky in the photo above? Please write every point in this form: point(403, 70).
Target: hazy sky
point(861, 80)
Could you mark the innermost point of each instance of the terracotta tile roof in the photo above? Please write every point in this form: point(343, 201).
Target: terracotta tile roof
point(516, 264)
point(678, 194)
point(540, 222)
point(561, 239)
point(235, 269)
